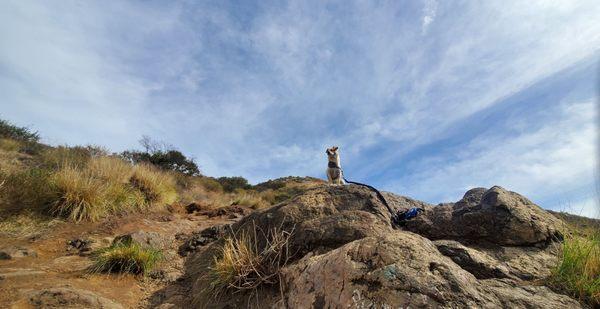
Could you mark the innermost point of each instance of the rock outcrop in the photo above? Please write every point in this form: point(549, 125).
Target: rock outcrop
point(402, 270)
point(477, 252)
point(496, 216)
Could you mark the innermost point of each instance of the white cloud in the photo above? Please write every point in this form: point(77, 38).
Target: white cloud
point(550, 161)
point(429, 12)
point(65, 72)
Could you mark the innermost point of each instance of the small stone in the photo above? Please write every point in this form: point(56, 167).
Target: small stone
point(16, 252)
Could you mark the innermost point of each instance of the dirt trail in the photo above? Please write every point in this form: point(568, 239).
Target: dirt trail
point(55, 266)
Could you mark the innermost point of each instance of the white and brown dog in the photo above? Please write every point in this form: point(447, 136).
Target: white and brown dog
point(334, 169)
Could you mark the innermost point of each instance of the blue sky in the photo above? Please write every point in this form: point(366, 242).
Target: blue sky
point(424, 98)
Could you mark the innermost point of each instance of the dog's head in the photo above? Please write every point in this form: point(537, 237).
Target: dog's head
point(332, 152)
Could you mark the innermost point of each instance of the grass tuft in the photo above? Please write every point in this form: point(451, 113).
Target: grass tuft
point(125, 257)
point(578, 272)
point(246, 262)
point(81, 196)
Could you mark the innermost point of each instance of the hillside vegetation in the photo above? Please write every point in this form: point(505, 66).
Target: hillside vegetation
point(87, 183)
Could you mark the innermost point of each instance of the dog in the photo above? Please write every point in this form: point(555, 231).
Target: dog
point(334, 169)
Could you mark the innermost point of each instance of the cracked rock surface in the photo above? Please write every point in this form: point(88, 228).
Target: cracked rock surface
point(482, 251)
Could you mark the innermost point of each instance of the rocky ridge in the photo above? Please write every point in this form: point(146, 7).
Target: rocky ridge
point(484, 251)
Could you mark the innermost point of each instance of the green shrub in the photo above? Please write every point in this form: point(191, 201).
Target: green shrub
point(230, 184)
point(579, 269)
point(125, 257)
point(9, 130)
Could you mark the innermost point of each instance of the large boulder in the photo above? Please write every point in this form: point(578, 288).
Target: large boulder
point(344, 252)
point(496, 216)
point(325, 217)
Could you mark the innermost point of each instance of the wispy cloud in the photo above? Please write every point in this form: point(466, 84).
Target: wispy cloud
point(260, 88)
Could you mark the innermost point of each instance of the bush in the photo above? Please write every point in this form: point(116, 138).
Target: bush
point(9, 130)
point(230, 184)
point(579, 269)
point(125, 257)
point(156, 186)
point(245, 262)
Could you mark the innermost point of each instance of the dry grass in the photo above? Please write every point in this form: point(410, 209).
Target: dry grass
point(81, 196)
point(26, 224)
point(250, 199)
point(91, 188)
point(27, 189)
point(578, 272)
point(210, 184)
point(248, 261)
point(58, 157)
point(9, 145)
point(158, 187)
point(109, 185)
point(111, 169)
